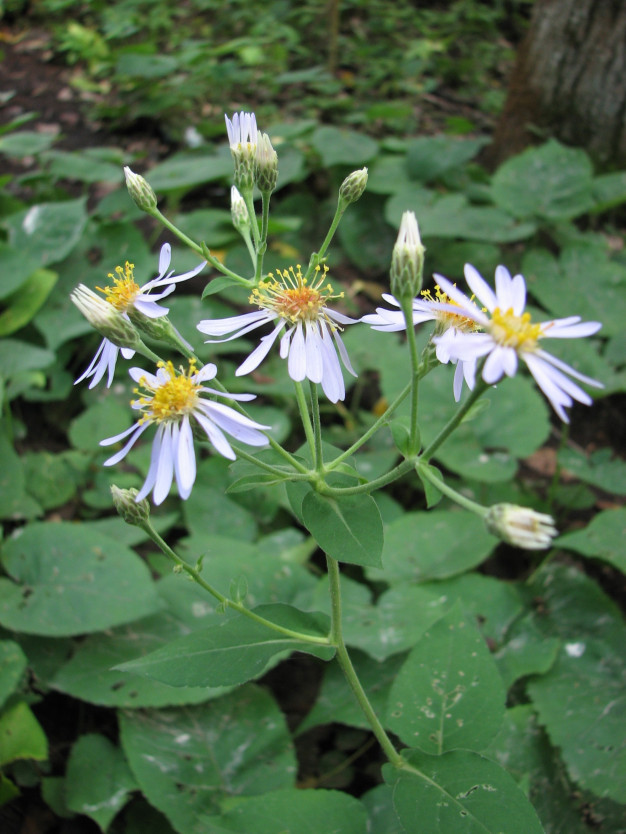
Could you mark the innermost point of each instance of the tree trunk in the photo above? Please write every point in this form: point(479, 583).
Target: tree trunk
point(569, 81)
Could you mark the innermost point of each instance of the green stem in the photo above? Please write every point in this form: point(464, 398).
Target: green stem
point(195, 575)
point(306, 418)
point(407, 310)
point(316, 257)
point(254, 224)
point(371, 486)
point(479, 389)
point(267, 467)
point(336, 637)
point(428, 474)
point(380, 422)
point(317, 428)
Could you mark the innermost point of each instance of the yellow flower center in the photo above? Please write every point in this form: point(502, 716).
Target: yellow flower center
point(124, 290)
point(446, 319)
point(514, 331)
point(171, 400)
point(291, 296)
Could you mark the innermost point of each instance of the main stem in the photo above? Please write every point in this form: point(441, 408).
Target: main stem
point(336, 636)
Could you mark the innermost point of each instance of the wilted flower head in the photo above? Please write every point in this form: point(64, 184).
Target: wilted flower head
point(299, 308)
point(521, 526)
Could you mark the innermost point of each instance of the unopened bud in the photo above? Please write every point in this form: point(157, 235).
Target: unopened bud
point(407, 260)
point(238, 211)
point(352, 188)
point(140, 190)
point(104, 318)
point(265, 165)
point(126, 504)
point(521, 526)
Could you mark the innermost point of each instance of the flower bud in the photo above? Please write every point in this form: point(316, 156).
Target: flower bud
point(126, 504)
point(104, 318)
point(243, 137)
point(407, 260)
point(238, 211)
point(352, 187)
point(140, 190)
point(265, 165)
point(521, 526)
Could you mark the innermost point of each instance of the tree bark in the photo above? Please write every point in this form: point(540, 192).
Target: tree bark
point(569, 81)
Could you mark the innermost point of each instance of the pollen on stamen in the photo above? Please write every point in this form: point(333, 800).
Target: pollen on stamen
point(124, 290)
point(172, 399)
point(445, 317)
point(289, 294)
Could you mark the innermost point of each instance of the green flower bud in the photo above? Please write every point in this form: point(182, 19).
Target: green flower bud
point(407, 260)
point(141, 192)
point(104, 318)
point(265, 165)
point(132, 511)
point(352, 187)
point(521, 526)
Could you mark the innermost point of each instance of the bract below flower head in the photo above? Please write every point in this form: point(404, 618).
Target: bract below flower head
point(311, 342)
point(169, 399)
point(510, 334)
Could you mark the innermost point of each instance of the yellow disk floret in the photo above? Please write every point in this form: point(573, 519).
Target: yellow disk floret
point(124, 290)
point(445, 318)
point(170, 400)
point(514, 331)
point(291, 297)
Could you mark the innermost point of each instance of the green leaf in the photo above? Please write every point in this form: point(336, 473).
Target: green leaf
point(448, 693)
point(430, 156)
point(348, 529)
point(581, 700)
point(450, 216)
point(526, 652)
point(51, 230)
point(434, 545)
point(552, 181)
point(336, 702)
point(12, 664)
point(602, 539)
point(23, 143)
point(85, 166)
point(431, 493)
point(8, 790)
point(340, 146)
point(365, 236)
point(379, 803)
point(103, 419)
point(14, 502)
point(394, 624)
point(22, 305)
point(609, 191)
point(98, 781)
point(296, 812)
point(17, 358)
point(235, 651)
point(52, 479)
point(459, 793)
point(186, 170)
point(21, 735)
point(187, 761)
point(90, 674)
point(600, 469)
point(69, 580)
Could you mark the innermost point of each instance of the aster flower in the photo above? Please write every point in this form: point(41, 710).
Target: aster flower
point(509, 334)
point(126, 297)
point(242, 130)
point(169, 399)
point(307, 343)
point(449, 319)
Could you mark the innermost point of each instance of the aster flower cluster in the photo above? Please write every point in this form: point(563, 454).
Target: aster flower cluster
point(487, 334)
